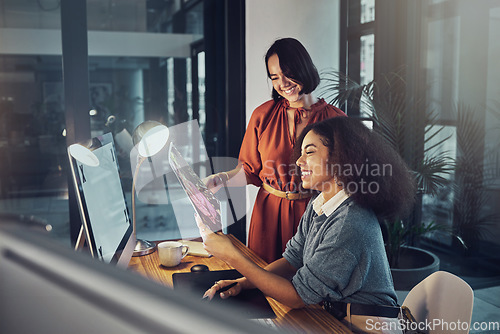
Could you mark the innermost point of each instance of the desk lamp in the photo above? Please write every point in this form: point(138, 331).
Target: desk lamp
point(149, 137)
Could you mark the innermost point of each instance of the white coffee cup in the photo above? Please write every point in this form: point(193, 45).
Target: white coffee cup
point(171, 253)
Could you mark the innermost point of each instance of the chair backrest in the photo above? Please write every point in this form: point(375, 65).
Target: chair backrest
point(443, 301)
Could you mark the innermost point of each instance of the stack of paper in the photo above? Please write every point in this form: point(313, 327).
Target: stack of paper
point(195, 248)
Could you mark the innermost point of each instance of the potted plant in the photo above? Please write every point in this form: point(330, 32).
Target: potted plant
point(412, 129)
point(409, 264)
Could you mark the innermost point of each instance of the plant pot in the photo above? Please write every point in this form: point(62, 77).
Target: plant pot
point(415, 264)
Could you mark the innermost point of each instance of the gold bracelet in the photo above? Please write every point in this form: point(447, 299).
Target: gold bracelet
point(227, 176)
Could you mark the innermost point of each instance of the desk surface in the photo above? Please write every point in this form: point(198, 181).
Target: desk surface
point(310, 319)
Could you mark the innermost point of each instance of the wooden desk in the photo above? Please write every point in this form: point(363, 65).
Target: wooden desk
point(310, 319)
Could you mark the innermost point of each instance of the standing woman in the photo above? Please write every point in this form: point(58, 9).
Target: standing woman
point(269, 142)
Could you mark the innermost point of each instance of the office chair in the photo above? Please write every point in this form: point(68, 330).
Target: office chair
point(443, 300)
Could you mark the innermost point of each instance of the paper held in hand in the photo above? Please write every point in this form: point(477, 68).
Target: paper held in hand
point(196, 248)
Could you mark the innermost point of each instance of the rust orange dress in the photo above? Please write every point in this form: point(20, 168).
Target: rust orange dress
point(266, 154)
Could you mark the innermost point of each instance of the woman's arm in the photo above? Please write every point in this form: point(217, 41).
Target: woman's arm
point(279, 267)
point(233, 178)
point(273, 281)
point(282, 268)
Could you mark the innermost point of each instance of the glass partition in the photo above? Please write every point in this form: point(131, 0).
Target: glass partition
point(33, 171)
point(138, 52)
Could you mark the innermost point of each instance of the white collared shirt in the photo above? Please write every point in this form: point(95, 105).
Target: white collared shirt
point(331, 205)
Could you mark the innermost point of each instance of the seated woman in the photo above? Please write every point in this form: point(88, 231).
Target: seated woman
point(337, 256)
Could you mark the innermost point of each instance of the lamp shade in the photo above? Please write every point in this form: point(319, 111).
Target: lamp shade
point(84, 155)
point(151, 137)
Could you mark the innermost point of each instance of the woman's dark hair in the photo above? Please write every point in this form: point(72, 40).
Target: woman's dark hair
point(368, 168)
point(296, 64)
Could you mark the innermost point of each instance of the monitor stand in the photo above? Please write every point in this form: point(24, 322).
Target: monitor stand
point(80, 241)
point(123, 260)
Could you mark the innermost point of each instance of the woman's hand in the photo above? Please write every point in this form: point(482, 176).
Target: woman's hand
point(231, 292)
point(213, 182)
point(216, 244)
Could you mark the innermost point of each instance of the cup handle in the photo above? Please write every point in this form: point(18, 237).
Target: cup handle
point(185, 250)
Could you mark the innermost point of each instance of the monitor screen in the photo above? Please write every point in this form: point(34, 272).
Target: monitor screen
point(106, 223)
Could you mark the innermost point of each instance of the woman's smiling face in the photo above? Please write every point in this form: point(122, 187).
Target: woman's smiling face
point(285, 87)
point(314, 165)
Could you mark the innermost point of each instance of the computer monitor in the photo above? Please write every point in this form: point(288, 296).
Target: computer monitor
point(106, 224)
point(46, 287)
